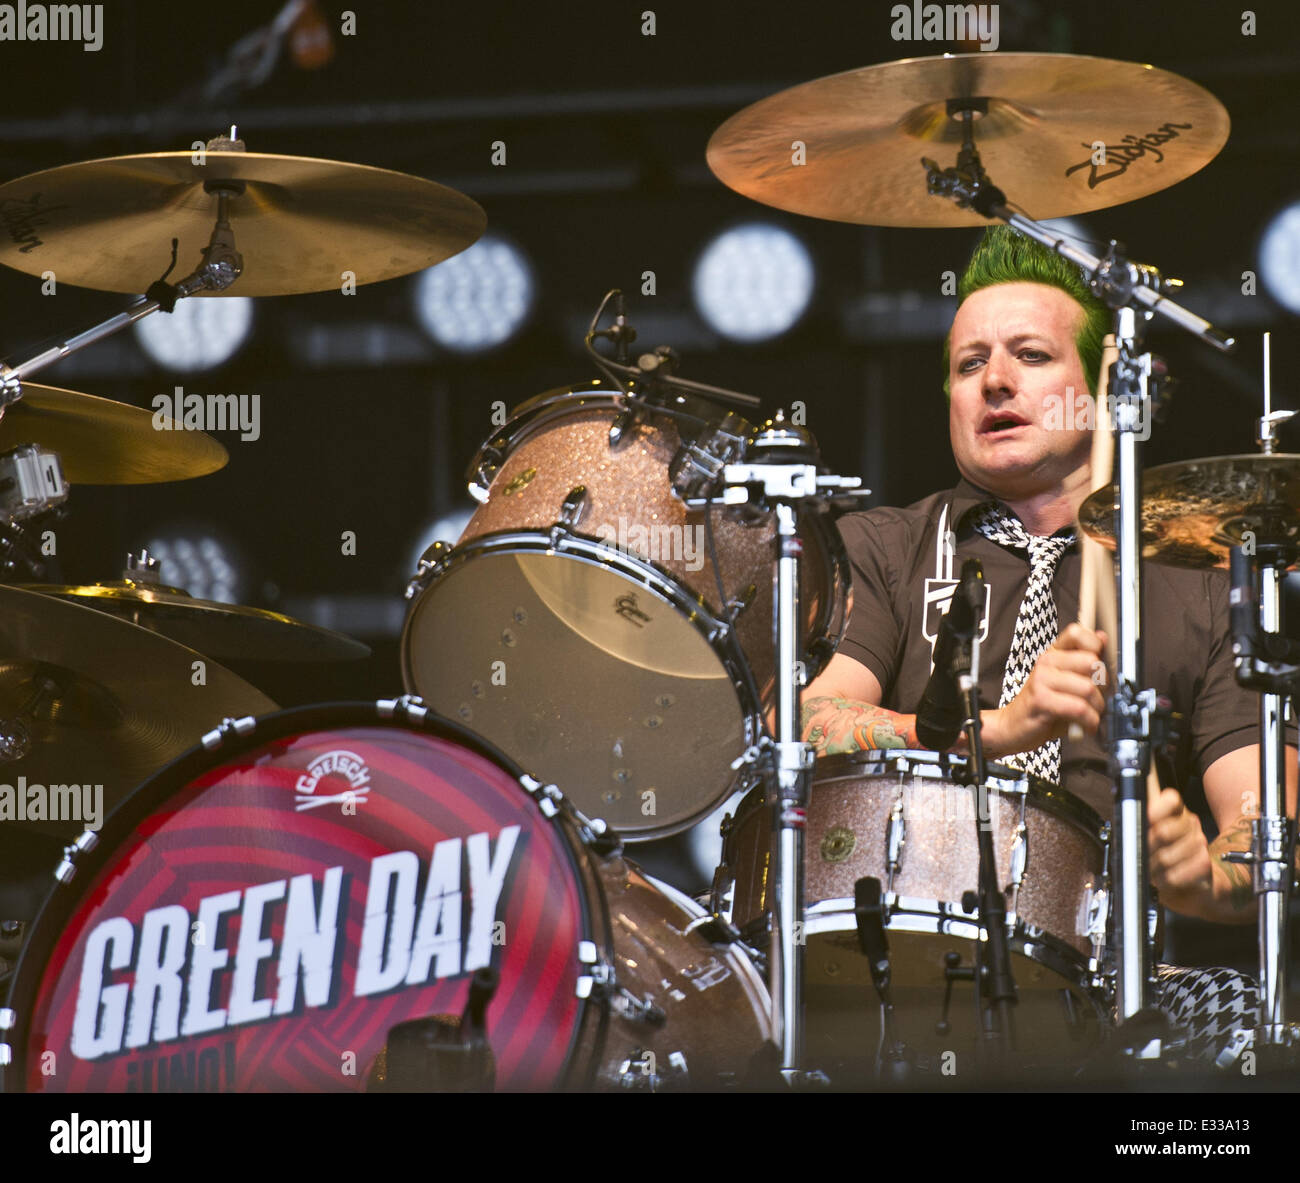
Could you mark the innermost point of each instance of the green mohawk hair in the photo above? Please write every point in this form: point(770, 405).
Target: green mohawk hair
point(1003, 256)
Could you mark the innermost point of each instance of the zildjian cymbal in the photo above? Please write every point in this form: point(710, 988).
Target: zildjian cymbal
point(1195, 511)
point(848, 147)
point(89, 700)
point(299, 223)
point(228, 632)
point(102, 442)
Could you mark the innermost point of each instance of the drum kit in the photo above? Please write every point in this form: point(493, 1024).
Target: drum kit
point(439, 891)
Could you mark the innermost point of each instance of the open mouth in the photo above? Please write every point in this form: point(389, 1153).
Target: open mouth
point(997, 423)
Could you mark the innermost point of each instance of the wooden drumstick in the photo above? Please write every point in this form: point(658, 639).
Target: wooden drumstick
point(1097, 573)
point(1097, 570)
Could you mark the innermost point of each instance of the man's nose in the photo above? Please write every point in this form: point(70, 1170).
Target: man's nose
point(999, 375)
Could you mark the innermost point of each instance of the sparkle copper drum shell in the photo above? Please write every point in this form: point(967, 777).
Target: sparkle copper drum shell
point(577, 623)
point(906, 819)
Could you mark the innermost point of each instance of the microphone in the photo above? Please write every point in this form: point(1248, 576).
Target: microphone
point(624, 333)
point(941, 712)
point(620, 332)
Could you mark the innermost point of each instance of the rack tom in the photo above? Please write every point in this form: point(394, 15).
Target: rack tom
point(578, 623)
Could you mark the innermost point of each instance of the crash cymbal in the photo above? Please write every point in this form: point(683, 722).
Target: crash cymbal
point(95, 700)
point(1194, 511)
point(102, 442)
point(227, 632)
point(300, 223)
point(864, 132)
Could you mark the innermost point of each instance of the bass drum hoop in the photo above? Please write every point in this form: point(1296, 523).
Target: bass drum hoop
point(214, 750)
point(720, 638)
point(540, 411)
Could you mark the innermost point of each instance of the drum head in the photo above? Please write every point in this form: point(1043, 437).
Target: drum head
point(590, 669)
point(259, 916)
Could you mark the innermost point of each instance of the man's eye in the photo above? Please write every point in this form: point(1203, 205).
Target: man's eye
point(968, 364)
point(1034, 355)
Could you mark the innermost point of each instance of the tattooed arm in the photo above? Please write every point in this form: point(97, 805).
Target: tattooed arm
point(833, 723)
point(1190, 873)
point(1239, 878)
point(841, 712)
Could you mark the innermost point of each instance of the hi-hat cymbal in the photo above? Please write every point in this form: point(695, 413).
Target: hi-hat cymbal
point(102, 442)
point(300, 223)
point(1195, 511)
point(228, 632)
point(98, 701)
point(863, 133)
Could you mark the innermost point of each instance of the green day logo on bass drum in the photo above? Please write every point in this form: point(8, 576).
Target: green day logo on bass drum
point(234, 942)
point(176, 958)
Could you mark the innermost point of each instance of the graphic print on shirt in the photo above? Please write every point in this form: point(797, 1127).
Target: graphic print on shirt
point(938, 590)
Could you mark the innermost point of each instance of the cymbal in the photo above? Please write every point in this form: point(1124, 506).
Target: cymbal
point(1194, 511)
point(227, 632)
point(102, 442)
point(300, 223)
point(864, 132)
point(113, 702)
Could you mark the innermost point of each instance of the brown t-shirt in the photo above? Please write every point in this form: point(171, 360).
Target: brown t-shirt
point(903, 577)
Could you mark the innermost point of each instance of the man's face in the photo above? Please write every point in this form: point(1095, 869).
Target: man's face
point(1012, 355)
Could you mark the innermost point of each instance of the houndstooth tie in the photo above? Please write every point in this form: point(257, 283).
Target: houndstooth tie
point(1036, 623)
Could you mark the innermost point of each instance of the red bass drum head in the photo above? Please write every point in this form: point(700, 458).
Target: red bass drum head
point(256, 917)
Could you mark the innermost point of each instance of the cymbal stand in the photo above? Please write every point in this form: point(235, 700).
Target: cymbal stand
point(1135, 292)
point(1267, 661)
point(780, 474)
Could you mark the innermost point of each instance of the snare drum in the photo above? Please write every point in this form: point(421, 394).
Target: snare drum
point(262, 912)
point(904, 818)
point(578, 624)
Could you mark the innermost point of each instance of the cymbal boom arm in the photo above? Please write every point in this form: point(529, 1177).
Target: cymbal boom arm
point(1114, 278)
point(222, 265)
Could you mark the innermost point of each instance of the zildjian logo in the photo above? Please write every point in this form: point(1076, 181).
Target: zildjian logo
point(22, 217)
point(1131, 148)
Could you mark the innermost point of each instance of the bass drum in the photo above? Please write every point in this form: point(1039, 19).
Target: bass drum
point(261, 913)
point(578, 624)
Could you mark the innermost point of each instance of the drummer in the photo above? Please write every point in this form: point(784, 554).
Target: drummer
point(1026, 337)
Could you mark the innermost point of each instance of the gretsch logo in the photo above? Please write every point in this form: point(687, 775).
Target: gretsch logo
point(347, 765)
point(626, 607)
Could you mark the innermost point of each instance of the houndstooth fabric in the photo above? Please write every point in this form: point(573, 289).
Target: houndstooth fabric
point(1209, 1004)
point(1036, 624)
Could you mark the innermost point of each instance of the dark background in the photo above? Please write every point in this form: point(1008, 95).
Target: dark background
point(606, 178)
